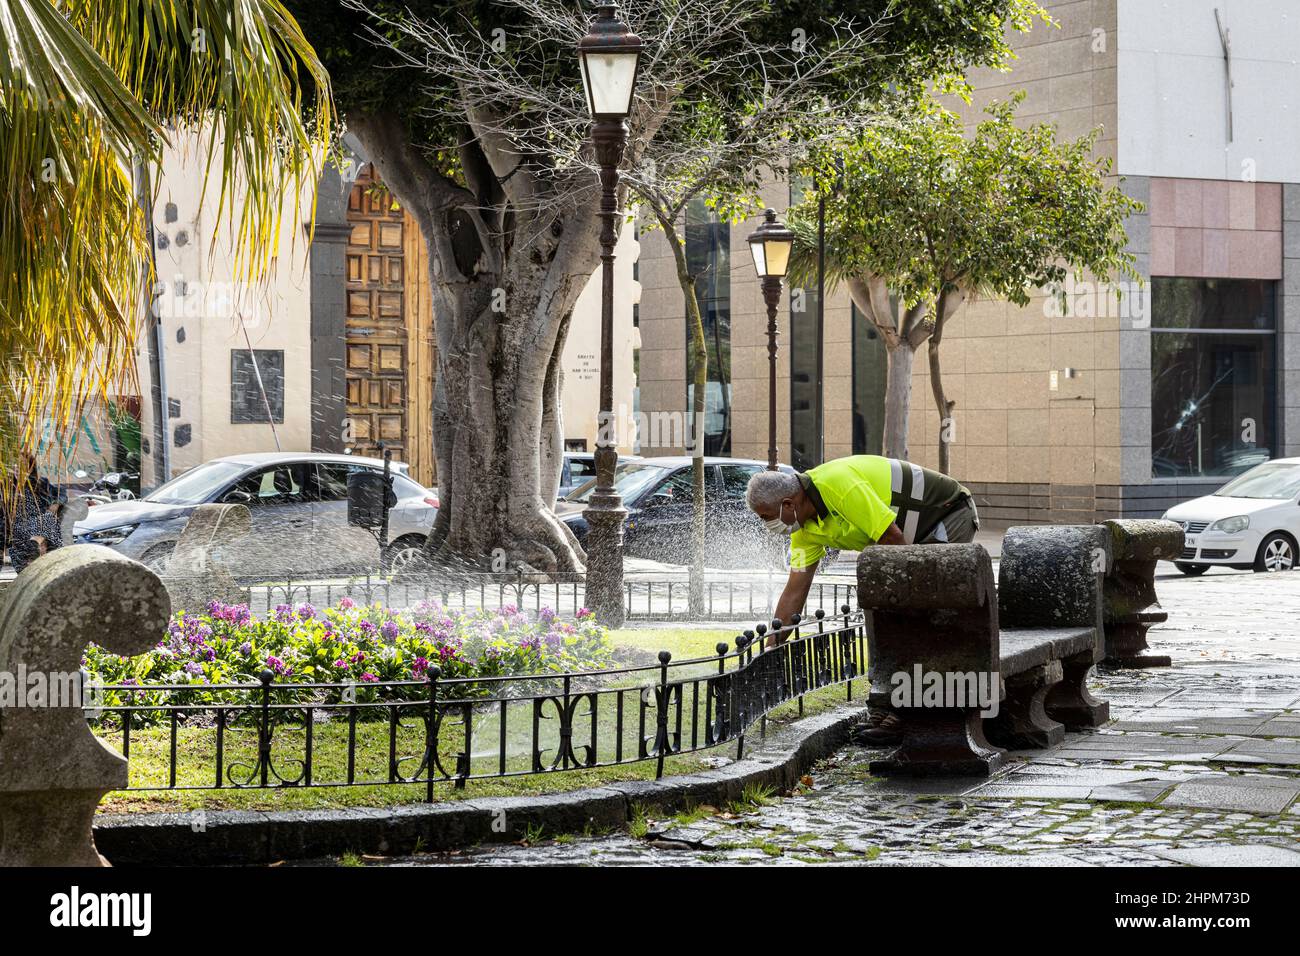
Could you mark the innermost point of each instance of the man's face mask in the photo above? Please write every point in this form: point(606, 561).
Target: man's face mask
point(779, 526)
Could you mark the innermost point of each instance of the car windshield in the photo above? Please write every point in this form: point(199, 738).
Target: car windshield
point(196, 485)
point(629, 479)
point(1274, 479)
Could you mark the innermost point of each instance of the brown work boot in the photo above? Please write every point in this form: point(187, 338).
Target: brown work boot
point(883, 728)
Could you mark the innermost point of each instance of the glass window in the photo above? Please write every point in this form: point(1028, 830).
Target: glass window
point(1213, 303)
point(332, 480)
point(282, 484)
point(680, 486)
point(1275, 480)
point(629, 480)
point(256, 382)
point(708, 256)
point(868, 386)
point(1213, 376)
point(580, 469)
point(735, 480)
point(196, 485)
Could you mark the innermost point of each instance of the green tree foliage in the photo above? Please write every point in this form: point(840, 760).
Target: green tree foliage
point(927, 216)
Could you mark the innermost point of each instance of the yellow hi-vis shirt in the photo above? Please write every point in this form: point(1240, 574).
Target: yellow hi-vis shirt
point(859, 497)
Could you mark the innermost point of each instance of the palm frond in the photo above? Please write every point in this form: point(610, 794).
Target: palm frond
point(87, 87)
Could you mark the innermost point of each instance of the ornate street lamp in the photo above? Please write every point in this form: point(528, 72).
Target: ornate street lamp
point(770, 244)
point(610, 54)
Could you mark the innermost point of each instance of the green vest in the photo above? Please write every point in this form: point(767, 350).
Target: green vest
point(859, 497)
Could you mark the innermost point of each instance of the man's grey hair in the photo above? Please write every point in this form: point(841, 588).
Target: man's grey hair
point(768, 489)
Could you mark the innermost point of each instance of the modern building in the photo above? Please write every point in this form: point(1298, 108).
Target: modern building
point(1105, 408)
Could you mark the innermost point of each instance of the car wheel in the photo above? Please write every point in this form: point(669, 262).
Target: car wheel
point(157, 559)
point(1191, 570)
point(403, 553)
point(1277, 553)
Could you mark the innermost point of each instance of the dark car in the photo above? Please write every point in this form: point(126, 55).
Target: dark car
point(659, 493)
point(578, 468)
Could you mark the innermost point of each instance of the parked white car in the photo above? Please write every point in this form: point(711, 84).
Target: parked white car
point(1251, 523)
point(299, 509)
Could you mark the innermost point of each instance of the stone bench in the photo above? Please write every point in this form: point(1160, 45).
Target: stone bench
point(1029, 643)
point(53, 770)
point(1129, 588)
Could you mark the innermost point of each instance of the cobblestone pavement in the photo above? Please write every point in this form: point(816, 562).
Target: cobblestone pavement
point(1200, 765)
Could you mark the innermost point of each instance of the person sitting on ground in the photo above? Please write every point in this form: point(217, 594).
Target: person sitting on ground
point(851, 504)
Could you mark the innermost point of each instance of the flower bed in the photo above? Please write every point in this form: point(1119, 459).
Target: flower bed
point(351, 645)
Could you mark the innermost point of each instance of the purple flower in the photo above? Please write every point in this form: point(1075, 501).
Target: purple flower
point(419, 668)
point(390, 630)
point(369, 678)
point(246, 648)
point(194, 668)
point(230, 613)
point(340, 663)
point(306, 611)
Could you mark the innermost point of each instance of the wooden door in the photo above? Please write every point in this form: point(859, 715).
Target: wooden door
point(377, 340)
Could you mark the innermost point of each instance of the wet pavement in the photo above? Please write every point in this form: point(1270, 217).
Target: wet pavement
point(1200, 766)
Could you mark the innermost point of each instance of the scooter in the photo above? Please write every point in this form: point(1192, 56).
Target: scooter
point(108, 488)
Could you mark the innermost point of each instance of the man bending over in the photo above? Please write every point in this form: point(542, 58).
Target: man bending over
point(851, 504)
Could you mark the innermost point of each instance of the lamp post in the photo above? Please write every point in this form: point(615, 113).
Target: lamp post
point(770, 246)
point(609, 56)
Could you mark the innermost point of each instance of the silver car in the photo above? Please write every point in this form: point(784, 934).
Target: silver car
point(299, 509)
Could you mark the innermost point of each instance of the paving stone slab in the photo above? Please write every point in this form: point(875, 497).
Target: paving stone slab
point(1283, 752)
point(1280, 727)
point(1255, 795)
point(1231, 855)
point(1139, 791)
point(1248, 726)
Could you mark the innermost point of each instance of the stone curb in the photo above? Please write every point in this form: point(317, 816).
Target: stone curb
point(252, 837)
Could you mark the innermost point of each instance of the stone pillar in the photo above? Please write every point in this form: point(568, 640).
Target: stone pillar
point(328, 313)
point(53, 770)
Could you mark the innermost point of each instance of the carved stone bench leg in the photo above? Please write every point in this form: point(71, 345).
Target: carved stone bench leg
point(1070, 702)
point(1022, 719)
point(49, 828)
point(1126, 644)
point(941, 742)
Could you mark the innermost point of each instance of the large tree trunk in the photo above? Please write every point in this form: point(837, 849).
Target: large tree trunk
point(501, 311)
point(898, 397)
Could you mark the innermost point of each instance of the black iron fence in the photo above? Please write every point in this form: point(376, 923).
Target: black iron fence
point(430, 732)
point(644, 599)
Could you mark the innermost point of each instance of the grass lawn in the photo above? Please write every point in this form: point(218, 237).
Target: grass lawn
point(196, 747)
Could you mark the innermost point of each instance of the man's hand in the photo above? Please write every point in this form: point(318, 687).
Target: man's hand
point(892, 535)
point(793, 598)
